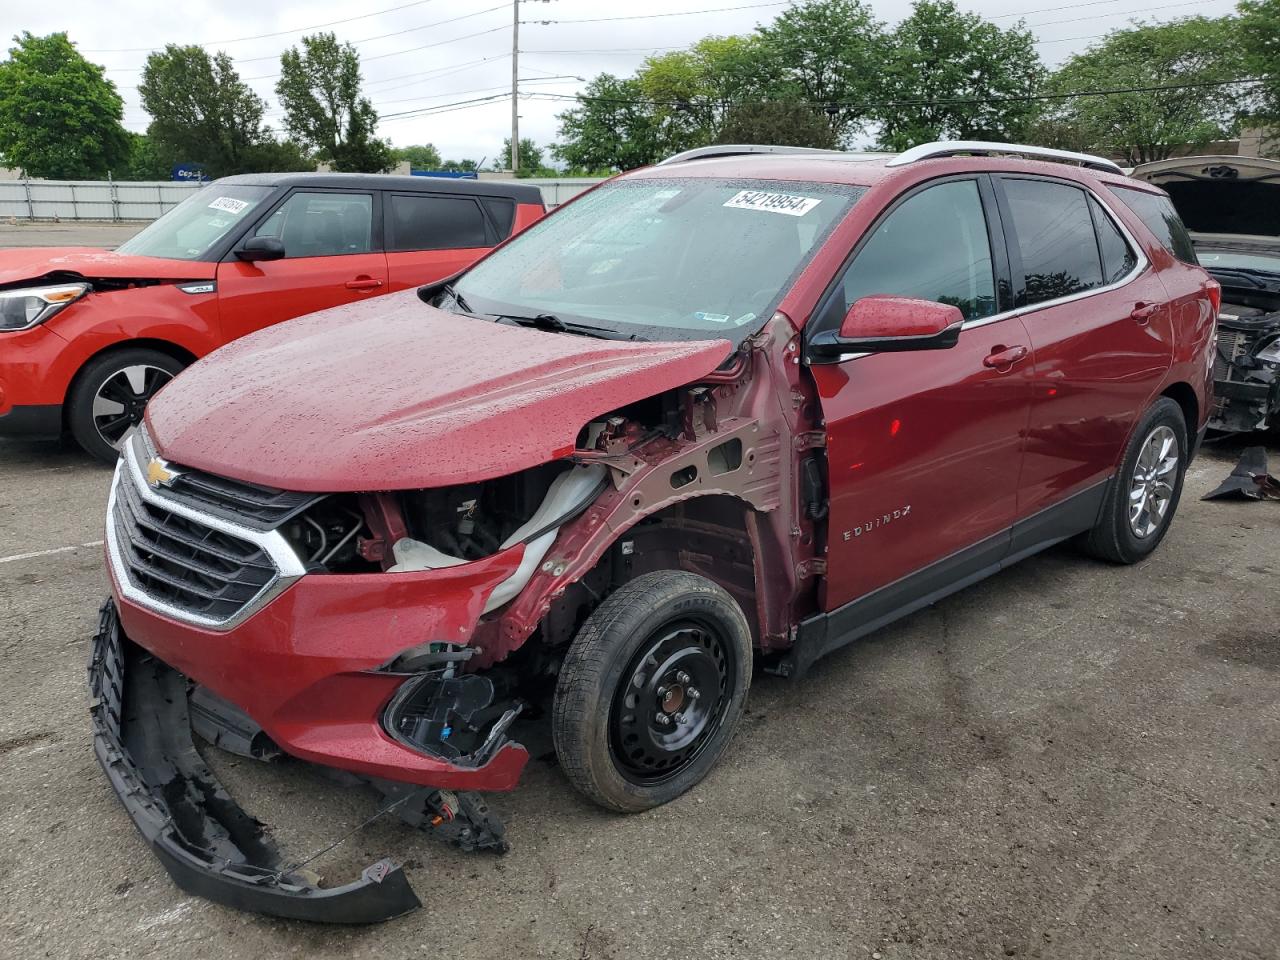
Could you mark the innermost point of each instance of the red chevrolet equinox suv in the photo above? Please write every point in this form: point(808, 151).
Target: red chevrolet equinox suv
point(743, 407)
point(88, 336)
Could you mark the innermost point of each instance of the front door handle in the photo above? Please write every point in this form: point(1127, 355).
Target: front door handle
point(363, 283)
point(1142, 312)
point(1003, 358)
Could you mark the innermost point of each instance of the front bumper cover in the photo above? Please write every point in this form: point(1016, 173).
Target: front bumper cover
point(207, 843)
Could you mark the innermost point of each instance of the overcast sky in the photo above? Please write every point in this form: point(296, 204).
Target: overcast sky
point(435, 53)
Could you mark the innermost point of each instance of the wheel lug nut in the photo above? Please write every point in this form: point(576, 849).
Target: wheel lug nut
point(663, 720)
point(693, 692)
point(682, 677)
point(681, 718)
point(663, 691)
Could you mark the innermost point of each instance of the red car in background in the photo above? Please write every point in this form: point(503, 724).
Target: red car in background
point(87, 336)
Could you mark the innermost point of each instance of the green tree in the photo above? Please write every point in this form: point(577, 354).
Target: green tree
point(531, 156)
point(611, 128)
point(951, 74)
point(827, 52)
point(60, 117)
point(421, 156)
point(786, 122)
point(201, 111)
point(144, 162)
point(319, 89)
point(1193, 54)
point(460, 166)
point(1260, 45)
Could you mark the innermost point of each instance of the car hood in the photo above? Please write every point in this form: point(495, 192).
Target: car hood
point(33, 263)
point(1221, 197)
point(393, 394)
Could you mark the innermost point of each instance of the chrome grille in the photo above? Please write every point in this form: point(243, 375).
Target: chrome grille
point(184, 562)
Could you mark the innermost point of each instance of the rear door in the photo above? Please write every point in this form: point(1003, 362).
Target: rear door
point(1101, 329)
point(433, 236)
point(924, 447)
point(333, 256)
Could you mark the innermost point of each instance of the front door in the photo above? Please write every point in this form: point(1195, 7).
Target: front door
point(924, 447)
point(333, 256)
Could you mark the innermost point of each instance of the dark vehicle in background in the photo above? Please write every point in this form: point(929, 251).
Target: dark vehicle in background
point(88, 336)
point(1231, 208)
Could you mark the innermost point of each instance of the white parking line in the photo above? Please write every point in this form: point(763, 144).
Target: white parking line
point(48, 553)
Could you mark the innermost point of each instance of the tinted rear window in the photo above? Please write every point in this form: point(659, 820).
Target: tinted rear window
point(1117, 257)
point(435, 223)
point(1156, 211)
point(1055, 240)
point(503, 214)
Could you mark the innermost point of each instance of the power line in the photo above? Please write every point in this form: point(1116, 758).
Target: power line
point(654, 16)
point(265, 36)
point(394, 33)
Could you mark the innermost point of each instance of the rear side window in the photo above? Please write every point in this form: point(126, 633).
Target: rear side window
point(502, 213)
point(1157, 212)
point(422, 222)
point(1054, 239)
point(1118, 259)
point(933, 246)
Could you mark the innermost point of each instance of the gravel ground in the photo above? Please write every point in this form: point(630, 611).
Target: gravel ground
point(1068, 760)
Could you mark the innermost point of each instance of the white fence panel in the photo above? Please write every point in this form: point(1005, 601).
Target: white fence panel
point(146, 200)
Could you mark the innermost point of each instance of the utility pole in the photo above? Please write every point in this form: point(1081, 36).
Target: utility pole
point(515, 84)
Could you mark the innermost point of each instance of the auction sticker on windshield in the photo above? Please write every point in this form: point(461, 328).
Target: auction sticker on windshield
point(229, 204)
point(792, 206)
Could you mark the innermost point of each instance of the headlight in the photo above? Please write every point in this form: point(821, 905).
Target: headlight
point(1270, 353)
point(20, 309)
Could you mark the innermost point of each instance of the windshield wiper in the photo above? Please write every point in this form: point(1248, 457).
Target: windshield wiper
point(457, 297)
point(549, 321)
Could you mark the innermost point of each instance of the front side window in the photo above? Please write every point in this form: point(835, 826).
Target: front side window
point(322, 224)
point(421, 222)
point(663, 259)
point(1157, 212)
point(933, 246)
point(1054, 237)
point(192, 229)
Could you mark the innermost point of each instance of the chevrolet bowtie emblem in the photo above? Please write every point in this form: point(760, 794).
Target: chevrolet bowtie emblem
point(157, 475)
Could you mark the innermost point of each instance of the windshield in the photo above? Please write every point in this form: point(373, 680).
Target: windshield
point(670, 259)
point(1231, 260)
point(194, 227)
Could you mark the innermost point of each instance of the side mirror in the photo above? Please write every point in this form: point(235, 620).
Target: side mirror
point(261, 248)
point(883, 323)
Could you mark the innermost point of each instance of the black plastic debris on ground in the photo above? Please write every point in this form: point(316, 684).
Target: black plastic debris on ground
point(1250, 480)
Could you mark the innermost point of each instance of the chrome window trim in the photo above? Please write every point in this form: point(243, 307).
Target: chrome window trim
point(1139, 268)
point(288, 566)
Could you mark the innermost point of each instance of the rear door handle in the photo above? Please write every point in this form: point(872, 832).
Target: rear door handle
point(1003, 358)
point(363, 283)
point(1142, 312)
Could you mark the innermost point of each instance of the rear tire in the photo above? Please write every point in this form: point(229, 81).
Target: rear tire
point(651, 690)
point(111, 393)
point(1144, 495)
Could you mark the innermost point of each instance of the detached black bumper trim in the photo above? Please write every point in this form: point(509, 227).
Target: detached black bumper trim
point(207, 843)
point(32, 422)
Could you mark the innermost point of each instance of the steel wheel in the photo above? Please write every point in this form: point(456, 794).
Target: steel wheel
point(670, 701)
point(120, 400)
point(1152, 486)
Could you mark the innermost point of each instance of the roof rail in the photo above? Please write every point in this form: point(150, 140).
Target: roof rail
point(737, 150)
point(949, 148)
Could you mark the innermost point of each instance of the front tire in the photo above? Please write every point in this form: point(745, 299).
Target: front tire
point(110, 395)
point(1144, 495)
point(651, 690)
